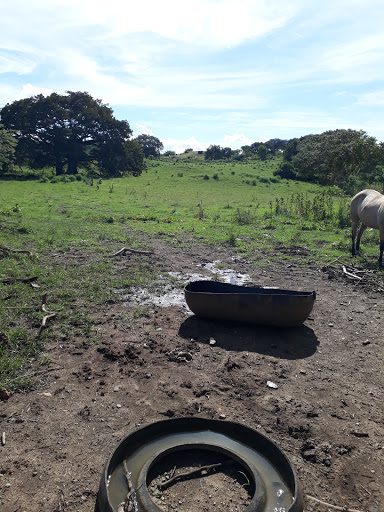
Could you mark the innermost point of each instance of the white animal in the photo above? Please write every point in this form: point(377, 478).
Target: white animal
point(368, 207)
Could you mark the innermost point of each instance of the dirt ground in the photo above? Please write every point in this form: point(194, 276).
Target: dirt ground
point(325, 412)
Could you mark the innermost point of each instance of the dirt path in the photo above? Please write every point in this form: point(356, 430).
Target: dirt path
point(326, 412)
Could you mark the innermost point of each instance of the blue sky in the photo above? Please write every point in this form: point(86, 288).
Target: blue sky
point(206, 71)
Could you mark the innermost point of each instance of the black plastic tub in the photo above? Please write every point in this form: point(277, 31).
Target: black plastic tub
point(263, 306)
point(266, 465)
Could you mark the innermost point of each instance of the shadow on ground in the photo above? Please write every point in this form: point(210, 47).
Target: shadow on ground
point(285, 343)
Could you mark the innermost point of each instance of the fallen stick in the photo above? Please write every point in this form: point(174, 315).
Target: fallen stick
point(9, 280)
point(7, 249)
point(127, 505)
point(128, 249)
point(44, 323)
point(335, 507)
point(333, 261)
point(204, 470)
point(43, 300)
point(349, 274)
point(47, 317)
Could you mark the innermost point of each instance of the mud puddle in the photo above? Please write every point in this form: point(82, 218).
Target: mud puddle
point(169, 289)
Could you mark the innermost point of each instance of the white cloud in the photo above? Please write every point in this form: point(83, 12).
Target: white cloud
point(31, 90)
point(142, 129)
point(235, 141)
point(178, 146)
point(16, 64)
point(372, 99)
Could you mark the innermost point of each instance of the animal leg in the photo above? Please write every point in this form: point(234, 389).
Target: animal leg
point(363, 227)
point(381, 231)
point(355, 222)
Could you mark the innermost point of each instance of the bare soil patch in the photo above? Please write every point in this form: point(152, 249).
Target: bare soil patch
point(326, 412)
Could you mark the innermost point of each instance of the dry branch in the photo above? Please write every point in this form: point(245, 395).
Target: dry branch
point(44, 322)
point(128, 504)
point(335, 507)
point(128, 249)
point(349, 274)
point(10, 280)
point(7, 249)
point(47, 317)
point(204, 470)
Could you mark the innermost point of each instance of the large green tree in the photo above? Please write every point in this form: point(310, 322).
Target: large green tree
point(66, 130)
point(7, 150)
point(335, 157)
point(150, 145)
point(214, 152)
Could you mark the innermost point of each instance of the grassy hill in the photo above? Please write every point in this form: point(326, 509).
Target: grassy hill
point(239, 206)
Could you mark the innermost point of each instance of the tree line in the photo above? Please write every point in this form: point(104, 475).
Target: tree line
point(346, 158)
point(75, 131)
point(70, 132)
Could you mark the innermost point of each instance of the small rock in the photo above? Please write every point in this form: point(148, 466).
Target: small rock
point(118, 406)
point(212, 341)
point(117, 388)
point(366, 342)
point(4, 394)
point(330, 324)
point(222, 416)
point(271, 384)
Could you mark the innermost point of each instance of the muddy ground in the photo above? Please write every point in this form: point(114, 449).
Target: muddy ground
point(326, 411)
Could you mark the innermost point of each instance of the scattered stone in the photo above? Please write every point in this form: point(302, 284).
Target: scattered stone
point(212, 341)
point(4, 394)
point(118, 406)
point(271, 384)
point(360, 434)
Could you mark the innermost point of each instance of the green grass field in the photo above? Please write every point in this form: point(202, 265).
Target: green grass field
point(241, 206)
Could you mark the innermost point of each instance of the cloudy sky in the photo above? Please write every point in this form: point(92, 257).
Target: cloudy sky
point(228, 72)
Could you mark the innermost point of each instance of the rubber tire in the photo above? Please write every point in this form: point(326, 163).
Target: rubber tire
point(257, 501)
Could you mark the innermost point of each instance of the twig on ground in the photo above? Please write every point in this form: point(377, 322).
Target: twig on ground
point(334, 261)
point(127, 505)
point(349, 274)
point(9, 280)
point(335, 507)
point(7, 249)
point(44, 323)
point(203, 471)
point(47, 317)
point(43, 301)
point(128, 249)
